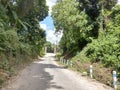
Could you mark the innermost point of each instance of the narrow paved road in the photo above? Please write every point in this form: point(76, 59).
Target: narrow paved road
point(48, 75)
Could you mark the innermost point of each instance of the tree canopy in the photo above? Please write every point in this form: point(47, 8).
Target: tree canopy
point(90, 27)
point(20, 32)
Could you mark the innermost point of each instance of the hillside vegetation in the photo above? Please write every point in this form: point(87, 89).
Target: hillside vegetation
point(91, 31)
point(21, 37)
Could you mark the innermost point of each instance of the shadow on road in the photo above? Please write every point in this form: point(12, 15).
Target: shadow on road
point(35, 77)
point(44, 78)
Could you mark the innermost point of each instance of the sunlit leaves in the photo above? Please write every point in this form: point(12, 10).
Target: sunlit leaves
point(106, 48)
point(19, 25)
point(81, 25)
point(74, 23)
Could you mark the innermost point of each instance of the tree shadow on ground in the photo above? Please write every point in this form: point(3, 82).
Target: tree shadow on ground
point(45, 78)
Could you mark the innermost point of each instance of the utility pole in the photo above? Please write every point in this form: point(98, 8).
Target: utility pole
point(55, 48)
point(45, 49)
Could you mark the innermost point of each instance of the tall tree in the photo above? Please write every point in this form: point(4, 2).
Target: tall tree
point(68, 17)
point(22, 17)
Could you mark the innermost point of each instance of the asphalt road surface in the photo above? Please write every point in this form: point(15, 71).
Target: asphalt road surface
point(46, 74)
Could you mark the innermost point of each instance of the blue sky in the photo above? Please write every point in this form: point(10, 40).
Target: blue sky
point(48, 25)
point(49, 22)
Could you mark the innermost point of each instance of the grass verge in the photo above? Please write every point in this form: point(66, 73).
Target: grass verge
point(82, 64)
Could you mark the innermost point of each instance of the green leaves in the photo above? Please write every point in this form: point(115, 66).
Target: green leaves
point(90, 27)
point(106, 49)
point(21, 37)
point(19, 26)
point(74, 23)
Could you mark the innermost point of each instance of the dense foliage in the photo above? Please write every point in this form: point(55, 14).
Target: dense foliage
point(68, 18)
point(50, 47)
point(20, 33)
point(106, 47)
point(90, 27)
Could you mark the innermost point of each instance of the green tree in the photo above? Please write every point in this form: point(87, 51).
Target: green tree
point(20, 32)
point(50, 47)
point(105, 49)
point(68, 18)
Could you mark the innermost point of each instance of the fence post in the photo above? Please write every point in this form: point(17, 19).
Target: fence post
point(71, 63)
point(67, 62)
point(60, 59)
point(64, 61)
point(91, 71)
point(115, 80)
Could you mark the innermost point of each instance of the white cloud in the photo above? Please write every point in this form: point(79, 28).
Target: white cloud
point(50, 3)
point(52, 37)
point(43, 26)
point(118, 2)
point(50, 34)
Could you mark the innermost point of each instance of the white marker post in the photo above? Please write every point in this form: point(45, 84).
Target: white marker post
point(115, 80)
point(61, 59)
point(71, 63)
point(45, 50)
point(67, 62)
point(64, 61)
point(91, 71)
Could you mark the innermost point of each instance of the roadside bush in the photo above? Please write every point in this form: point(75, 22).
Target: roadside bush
point(106, 48)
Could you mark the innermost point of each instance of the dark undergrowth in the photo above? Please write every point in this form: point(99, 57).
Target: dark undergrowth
point(10, 66)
